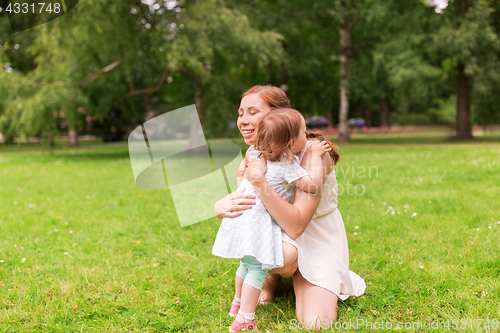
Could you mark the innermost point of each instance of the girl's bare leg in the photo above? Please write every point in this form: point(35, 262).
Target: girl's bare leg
point(268, 292)
point(249, 298)
point(315, 305)
point(238, 284)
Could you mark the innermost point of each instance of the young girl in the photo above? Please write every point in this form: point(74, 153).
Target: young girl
point(253, 236)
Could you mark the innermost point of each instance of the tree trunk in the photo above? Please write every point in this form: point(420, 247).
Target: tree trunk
point(345, 59)
point(196, 135)
point(362, 108)
point(72, 137)
point(368, 116)
point(464, 128)
point(384, 113)
point(50, 139)
point(284, 78)
point(8, 139)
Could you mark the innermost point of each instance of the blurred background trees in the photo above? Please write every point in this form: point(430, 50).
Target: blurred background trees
point(107, 66)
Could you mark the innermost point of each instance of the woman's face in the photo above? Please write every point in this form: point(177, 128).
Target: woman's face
point(301, 140)
point(252, 110)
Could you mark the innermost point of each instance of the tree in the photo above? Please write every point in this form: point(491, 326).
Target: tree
point(113, 61)
point(467, 44)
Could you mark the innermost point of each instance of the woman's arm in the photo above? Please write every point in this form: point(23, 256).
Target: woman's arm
point(293, 219)
point(232, 204)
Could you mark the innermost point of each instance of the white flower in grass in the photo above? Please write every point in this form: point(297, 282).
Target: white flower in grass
point(66, 253)
point(66, 223)
point(23, 260)
point(422, 266)
point(2, 261)
point(385, 203)
point(71, 231)
point(414, 214)
point(489, 227)
point(400, 262)
point(460, 255)
point(477, 229)
point(356, 227)
point(392, 213)
point(355, 233)
point(55, 230)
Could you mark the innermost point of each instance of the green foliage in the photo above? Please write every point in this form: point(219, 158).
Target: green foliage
point(120, 62)
point(101, 59)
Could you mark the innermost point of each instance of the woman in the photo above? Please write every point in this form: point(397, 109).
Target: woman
point(314, 242)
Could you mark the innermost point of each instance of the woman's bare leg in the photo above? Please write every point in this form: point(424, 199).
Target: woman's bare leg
point(315, 305)
point(268, 292)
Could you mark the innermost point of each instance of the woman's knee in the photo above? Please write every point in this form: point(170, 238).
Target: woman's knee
point(290, 255)
point(316, 306)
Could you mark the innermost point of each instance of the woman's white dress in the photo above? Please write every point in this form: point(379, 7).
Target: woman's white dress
point(254, 232)
point(323, 253)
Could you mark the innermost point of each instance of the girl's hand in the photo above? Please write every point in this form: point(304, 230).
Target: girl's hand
point(232, 204)
point(320, 148)
point(256, 169)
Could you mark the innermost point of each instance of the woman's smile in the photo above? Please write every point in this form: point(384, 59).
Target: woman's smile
point(247, 132)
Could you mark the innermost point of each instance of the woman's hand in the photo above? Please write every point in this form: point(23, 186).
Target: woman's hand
point(320, 148)
point(256, 169)
point(232, 204)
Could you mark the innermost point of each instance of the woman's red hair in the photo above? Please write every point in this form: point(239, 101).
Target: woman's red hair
point(275, 97)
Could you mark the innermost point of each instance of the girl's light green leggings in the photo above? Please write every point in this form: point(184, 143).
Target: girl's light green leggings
point(251, 272)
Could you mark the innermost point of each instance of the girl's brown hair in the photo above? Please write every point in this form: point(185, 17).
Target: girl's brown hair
point(275, 97)
point(276, 131)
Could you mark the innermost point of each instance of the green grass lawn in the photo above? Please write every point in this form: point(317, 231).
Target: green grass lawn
point(84, 249)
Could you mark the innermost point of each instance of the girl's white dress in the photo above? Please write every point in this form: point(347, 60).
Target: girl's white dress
point(323, 253)
point(254, 232)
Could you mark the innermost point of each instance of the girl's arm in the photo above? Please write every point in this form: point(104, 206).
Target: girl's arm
point(314, 181)
point(293, 219)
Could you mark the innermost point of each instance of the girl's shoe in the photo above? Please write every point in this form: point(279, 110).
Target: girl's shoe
point(234, 310)
point(236, 326)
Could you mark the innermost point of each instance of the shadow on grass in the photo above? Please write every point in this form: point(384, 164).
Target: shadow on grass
point(285, 291)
